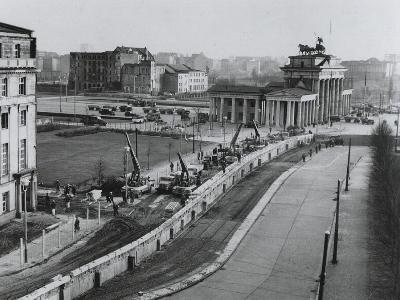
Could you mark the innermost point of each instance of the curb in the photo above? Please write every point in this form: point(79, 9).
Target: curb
point(230, 248)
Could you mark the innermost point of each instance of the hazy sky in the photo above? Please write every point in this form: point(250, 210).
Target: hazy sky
point(219, 28)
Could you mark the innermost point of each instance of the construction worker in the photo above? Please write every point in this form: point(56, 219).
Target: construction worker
point(58, 186)
point(115, 208)
point(316, 149)
point(47, 201)
point(319, 146)
point(53, 207)
point(304, 157)
point(76, 225)
point(310, 151)
point(67, 201)
point(171, 165)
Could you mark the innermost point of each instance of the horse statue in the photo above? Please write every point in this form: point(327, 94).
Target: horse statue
point(306, 50)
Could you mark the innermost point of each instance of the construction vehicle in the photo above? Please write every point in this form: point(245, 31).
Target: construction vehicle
point(231, 152)
point(186, 185)
point(93, 120)
point(167, 183)
point(253, 144)
point(137, 184)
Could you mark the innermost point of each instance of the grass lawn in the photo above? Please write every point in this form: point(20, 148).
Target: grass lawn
point(73, 160)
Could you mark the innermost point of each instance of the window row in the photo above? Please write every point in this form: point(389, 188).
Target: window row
point(10, 51)
point(5, 202)
point(4, 86)
point(5, 122)
point(5, 157)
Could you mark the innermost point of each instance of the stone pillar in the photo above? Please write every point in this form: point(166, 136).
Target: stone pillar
point(278, 113)
point(349, 102)
point(305, 114)
point(257, 110)
point(333, 97)
point(221, 112)
point(299, 104)
point(326, 100)
point(272, 116)
point(288, 114)
point(233, 112)
point(267, 119)
point(337, 97)
point(322, 101)
point(244, 110)
point(211, 109)
point(341, 112)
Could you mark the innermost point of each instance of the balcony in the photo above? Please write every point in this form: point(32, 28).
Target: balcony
point(17, 63)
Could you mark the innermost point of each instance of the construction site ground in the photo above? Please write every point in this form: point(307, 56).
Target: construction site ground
point(137, 218)
point(202, 241)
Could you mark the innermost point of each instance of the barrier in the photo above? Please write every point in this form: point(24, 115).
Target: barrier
point(104, 268)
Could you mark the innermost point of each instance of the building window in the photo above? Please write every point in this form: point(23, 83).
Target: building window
point(22, 117)
point(22, 161)
point(4, 159)
point(22, 86)
point(17, 51)
point(5, 202)
point(4, 121)
point(3, 87)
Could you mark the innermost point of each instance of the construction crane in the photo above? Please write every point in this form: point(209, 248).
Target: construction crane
point(183, 167)
point(135, 176)
point(235, 137)
point(256, 131)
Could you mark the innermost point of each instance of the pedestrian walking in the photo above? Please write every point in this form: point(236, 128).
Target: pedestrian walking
point(304, 157)
point(47, 201)
point(53, 207)
point(77, 225)
point(58, 186)
point(310, 151)
point(319, 146)
point(115, 208)
point(171, 165)
point(316, 149)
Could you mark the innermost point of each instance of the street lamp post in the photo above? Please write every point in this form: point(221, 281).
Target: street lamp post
point(223, 124)
point(25, 184)
point(60, 91)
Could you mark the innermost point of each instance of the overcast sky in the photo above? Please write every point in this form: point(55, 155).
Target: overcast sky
point(220, 28)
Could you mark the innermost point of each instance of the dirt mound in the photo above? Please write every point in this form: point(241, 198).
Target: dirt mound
point(118, 225)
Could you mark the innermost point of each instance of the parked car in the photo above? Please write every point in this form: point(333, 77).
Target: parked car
point(113, 108)
point(138, 120)
point(106, 111)
point(367, 121)
point(93, 120)
point(93, 107)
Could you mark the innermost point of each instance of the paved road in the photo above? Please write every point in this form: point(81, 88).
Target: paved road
point(280, 256)
point(202, 242)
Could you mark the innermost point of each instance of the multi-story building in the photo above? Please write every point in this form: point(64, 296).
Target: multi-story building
point(166, 58)
point(98, 71)
point(17, 113)
point(138, 78)
point(179, 79)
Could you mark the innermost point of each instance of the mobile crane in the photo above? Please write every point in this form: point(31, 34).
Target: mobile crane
point(137, 184)
point(186, 185)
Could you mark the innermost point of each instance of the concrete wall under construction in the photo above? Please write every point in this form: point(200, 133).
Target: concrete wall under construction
point(95, 273)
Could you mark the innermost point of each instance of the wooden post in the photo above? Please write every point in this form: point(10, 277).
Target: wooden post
point(336, 236)
point(98, 222)
point(43, 241)
point(348, 168)
point(21, 251)
point(323, 267)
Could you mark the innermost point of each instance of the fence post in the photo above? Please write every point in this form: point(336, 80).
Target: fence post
point(336, 236)
point(87, 218)
point(323, 267)
point(21, 251)
point(59, 236)
point(43, 241)
point(98, 222)
point(73, 227)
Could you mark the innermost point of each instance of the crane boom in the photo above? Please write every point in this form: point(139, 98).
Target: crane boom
point(183, 166)
point(135, 162)
point(235, 137)
point(256, 129)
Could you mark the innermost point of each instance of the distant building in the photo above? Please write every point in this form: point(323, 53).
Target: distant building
point(97, 71)
point(48, 66)
point(18, 125)
point(252, 65)
point(169, 58)
point(372, 68)
point(138, 78)
point(179, 79)
point(197, 62)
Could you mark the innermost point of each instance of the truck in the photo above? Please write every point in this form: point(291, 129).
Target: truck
point(166, 184)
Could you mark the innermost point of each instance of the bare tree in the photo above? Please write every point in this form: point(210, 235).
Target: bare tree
point(99, 169)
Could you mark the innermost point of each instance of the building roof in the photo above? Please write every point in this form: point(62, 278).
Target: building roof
point(181, 68)
point(143, 51)
point(290, 92)
point(245, 89)
point(14, 29)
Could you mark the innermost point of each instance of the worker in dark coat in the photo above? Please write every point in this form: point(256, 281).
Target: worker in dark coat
point(171, 165)
point(115, 208)
point(304, 157)
point(77, 225)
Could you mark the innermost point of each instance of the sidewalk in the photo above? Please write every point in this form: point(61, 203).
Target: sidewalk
point(360, 271)
point(11, 263)
point(280, 256)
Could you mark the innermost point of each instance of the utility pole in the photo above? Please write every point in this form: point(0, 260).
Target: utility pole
point(348, 168)
point(193, 137)
point(136, 143)
point(60, 91)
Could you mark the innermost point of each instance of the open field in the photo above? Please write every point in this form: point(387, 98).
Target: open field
point(73, 160)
